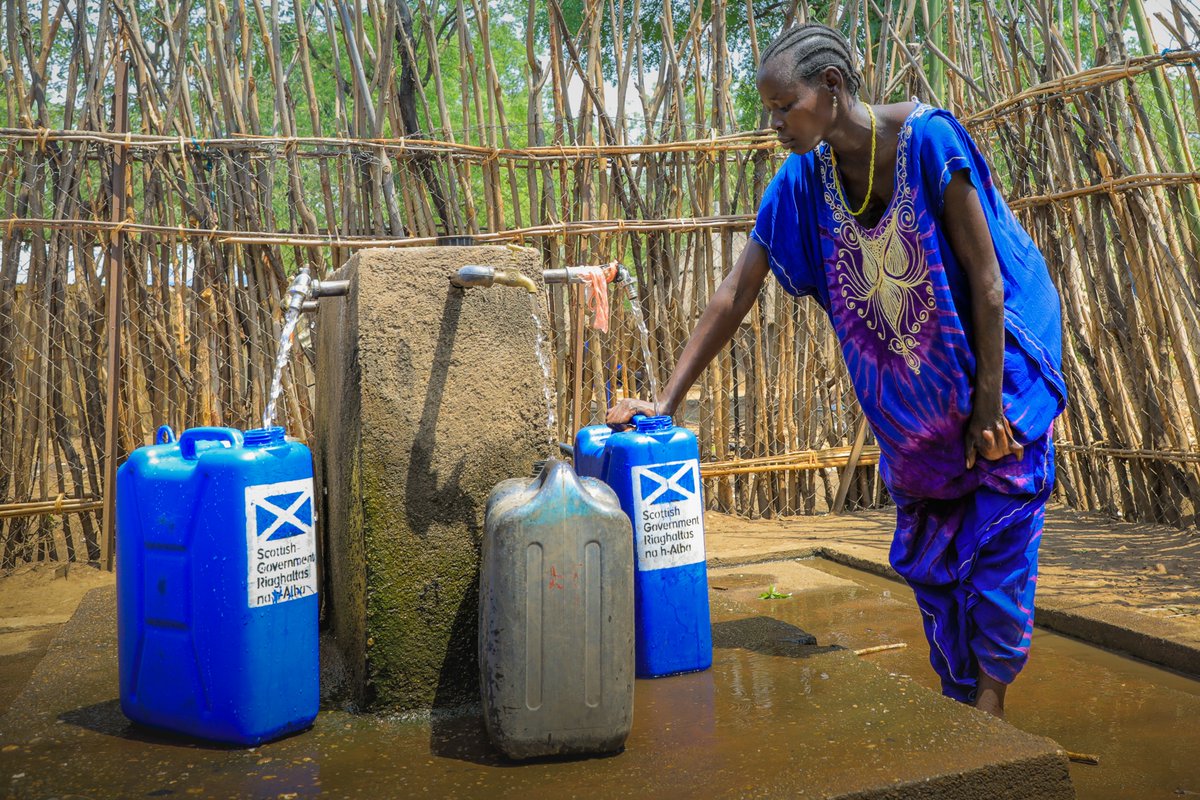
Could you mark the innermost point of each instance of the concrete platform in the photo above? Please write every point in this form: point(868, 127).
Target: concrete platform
point(777, 716)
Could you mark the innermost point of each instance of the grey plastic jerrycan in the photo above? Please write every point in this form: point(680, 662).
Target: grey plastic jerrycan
point(556, 616)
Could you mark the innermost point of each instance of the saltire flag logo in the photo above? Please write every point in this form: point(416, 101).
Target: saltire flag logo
point(668, 515)
point(667, 483)
point(281, 510)
point(280, 546)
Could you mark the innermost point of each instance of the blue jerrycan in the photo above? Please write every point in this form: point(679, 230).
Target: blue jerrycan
point(217, 585)
point(655, 471)
point(556, 616)
point(589, 450)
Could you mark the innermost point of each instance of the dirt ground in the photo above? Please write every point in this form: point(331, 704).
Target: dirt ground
point(34, 603)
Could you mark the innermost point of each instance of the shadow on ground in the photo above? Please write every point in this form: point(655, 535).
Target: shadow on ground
point(768, 636)
point(106, 719)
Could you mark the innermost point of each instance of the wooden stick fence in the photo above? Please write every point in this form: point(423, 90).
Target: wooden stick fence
point(807, 460)
point(266, 137)
point(736, 222)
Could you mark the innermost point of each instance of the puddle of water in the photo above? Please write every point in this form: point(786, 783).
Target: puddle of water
point(281, 359)
point(1140, 720)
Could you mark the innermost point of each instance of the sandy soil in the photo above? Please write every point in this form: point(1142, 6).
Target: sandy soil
point(45, 595)
point(34, 604)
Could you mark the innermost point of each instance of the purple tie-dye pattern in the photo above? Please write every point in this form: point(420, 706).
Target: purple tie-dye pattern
point(972, 564)
point(919, 416)
point(966, 540)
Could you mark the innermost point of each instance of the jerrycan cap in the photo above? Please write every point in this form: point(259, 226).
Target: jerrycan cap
point(264, 437)
point(646, 424)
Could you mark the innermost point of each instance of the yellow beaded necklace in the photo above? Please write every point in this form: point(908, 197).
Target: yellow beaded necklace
point(870, 175)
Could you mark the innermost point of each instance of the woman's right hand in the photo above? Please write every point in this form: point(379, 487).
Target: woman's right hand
point(625, 408)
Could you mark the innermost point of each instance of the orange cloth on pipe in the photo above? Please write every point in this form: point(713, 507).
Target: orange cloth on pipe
point(595, 281)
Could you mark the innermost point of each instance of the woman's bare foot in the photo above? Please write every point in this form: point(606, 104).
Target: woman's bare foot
point(989, 695)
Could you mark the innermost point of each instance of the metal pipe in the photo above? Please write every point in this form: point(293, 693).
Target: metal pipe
point(573, 275)
point(562, 275)
point(329, 289)
point(477, 275)
point(473, 275)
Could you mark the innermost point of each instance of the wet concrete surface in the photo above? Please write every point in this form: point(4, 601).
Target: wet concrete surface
point(35, 602)
point(1132, 587)
point(777, 716)
point(1139, 719)
point(20, 652)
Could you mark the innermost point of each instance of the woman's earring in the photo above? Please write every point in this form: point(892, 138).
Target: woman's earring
point(835, 104)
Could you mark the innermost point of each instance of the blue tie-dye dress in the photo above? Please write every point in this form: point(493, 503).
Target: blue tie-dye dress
point(966, 540)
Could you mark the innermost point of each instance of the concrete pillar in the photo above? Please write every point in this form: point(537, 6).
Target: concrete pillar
point(427, 396)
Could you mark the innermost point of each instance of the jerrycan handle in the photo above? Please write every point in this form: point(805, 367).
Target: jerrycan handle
point(164, 435)
point(644, 423)
point(631, 425)
point(187, 442)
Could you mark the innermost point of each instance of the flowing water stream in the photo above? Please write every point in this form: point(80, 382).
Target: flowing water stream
point(644, 334)
point(281, 359)
point(539, 347)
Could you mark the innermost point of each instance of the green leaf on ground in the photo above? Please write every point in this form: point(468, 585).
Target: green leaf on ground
point(771, 594)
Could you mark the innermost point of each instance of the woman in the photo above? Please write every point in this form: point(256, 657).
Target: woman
point(949, 326)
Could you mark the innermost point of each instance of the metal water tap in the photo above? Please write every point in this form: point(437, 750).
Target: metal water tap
point(303, 288)
point(298, 291)
point(472, 275)
point(513, 277)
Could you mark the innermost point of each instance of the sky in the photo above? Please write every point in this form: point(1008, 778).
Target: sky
point(1161, 36)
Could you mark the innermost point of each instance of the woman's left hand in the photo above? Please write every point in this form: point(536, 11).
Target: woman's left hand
point(989, 436)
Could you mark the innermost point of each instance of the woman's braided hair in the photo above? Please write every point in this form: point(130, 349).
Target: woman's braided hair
point(807, 49)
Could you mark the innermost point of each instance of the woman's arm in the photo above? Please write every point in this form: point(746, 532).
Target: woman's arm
point(989, 435)
point(716, 327)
